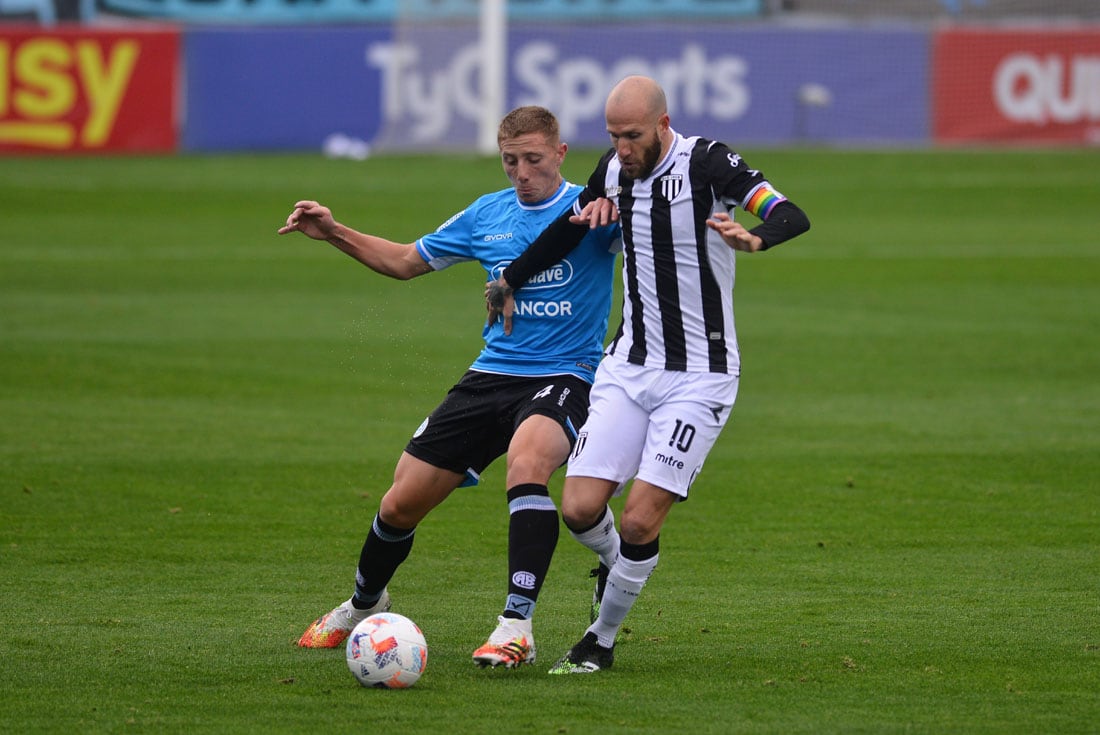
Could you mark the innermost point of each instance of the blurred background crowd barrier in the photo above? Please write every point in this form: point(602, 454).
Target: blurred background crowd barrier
point(89, 76)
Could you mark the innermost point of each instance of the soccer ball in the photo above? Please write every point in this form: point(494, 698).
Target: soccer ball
point(388, 651)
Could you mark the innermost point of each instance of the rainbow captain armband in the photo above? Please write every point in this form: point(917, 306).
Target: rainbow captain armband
point(763, 200)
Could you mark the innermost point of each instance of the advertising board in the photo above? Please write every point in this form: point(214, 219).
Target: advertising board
point(83, 90)
point(1017, 86)
point(297, 13)
point(278, 89)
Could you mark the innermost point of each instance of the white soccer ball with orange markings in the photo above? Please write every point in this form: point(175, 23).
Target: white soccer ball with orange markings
point(388, 651)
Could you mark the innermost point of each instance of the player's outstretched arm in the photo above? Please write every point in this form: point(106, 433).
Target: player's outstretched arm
point(555, 242)
point(785, 221)
point(396, 260)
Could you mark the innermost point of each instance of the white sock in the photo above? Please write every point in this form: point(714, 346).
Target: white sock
point(602, 538)
point(624, 584)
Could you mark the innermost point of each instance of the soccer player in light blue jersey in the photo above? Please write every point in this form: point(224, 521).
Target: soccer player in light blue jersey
point(524, 396)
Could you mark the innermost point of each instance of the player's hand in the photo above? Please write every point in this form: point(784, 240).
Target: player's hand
point(597, 213)
point(500, 302)
point(734, 234)
point(310, 218)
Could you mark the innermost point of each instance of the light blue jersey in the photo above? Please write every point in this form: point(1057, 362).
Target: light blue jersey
point(561, 314)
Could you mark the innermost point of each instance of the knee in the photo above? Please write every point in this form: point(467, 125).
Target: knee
point(528, 467)
point(578, 513)
point(638, 529)
point(401, 509)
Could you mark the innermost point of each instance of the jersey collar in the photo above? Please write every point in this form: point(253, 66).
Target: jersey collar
point(548, 202)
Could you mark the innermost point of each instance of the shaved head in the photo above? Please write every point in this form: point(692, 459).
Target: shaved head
point(636, 98)
point(637, 120)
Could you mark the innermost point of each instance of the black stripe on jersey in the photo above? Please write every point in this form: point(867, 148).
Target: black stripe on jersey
point(668, 287)
point(702, 199)
point(630, 269)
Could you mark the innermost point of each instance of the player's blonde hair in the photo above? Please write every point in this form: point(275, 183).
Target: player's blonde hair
point(529, 119)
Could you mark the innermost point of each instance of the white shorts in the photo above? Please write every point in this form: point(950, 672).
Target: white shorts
point(656, 425)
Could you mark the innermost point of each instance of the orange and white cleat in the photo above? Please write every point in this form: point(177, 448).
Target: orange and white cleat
point(510, 645)
point(333, 628)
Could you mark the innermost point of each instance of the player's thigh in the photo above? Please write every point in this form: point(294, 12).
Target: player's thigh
point(417, 488)
point(539, 446)
point(464, 433)
point(546, 421)
point(610, 443)
point(681, 435)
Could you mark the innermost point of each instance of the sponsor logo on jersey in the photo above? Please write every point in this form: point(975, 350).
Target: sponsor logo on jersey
point(612, 191)
point(498, 236)
point(555, 276)
point(544, 308)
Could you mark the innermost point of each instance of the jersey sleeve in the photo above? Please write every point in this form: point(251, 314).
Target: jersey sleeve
point(738, 185)
point(451, 242)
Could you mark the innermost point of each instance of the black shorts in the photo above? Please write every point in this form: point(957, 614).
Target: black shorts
point(475, 422)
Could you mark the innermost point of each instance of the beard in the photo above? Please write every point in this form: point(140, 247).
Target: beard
point(643, 167)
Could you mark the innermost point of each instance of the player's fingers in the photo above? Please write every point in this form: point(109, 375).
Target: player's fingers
point(291, 223)
point(509, 307)
point(492, 313)
point(585, 217)
point(609, 213)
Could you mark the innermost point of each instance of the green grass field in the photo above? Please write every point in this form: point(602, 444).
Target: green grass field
point(898, 532)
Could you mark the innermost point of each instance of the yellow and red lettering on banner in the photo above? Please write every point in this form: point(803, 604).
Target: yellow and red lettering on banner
point(75, 91)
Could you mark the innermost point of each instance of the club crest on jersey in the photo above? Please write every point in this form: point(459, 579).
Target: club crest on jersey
point(671, 185)
point(612, 191)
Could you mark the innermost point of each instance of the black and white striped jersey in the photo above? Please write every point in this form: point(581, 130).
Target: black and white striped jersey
point(678, 275)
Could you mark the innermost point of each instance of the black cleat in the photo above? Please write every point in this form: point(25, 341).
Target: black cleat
point(586, 657)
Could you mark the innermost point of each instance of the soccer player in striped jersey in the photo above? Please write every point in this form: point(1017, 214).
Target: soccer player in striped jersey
point(522, 396)
point(669, 378)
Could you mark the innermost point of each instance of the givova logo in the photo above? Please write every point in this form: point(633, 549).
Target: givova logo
point(555, 276)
